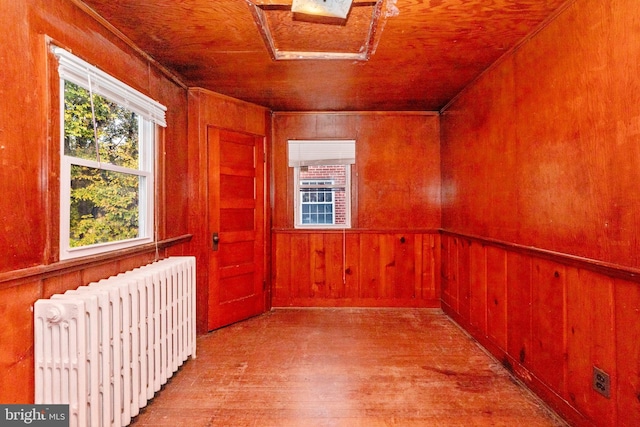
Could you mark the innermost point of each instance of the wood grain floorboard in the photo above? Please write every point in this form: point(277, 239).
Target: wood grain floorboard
point(343, 367)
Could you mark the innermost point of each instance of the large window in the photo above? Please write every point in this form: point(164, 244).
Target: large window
point(106, 161)
point(322, 184)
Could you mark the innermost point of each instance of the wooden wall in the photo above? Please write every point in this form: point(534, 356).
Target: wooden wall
point(29, 151)
point(540, 164)
point(356, 269)
point(390, 255)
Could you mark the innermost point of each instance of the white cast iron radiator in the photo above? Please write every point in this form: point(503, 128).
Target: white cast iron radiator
point(106, 348)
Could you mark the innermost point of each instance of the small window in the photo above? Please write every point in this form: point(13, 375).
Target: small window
point(322, 172)
point(106, 161)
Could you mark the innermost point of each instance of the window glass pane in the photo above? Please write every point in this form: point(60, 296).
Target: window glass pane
point(117, 128)
point(104, 206)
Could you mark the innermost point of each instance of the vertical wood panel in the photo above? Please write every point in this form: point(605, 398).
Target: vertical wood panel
point(352, 268)
point(548, 321)
point(435, 254)
point(405, 248)
point(519, 307)
point(428, 272)
point(590, 342)
point(335, 260)
point(497, 296)
point(317, 266)
point(451, 291)
point(172, 159)
point(369, 262)
point(478, 287)
point(282, 278)
point(386, 267)
point(627, 345)
point(464, 277)
point(447, 254)
point(24, 143)
point(420, 270)
point(454, 288)
point(299, 259)
point(16, 336)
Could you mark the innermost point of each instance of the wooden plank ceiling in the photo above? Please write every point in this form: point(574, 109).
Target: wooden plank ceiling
point(414, 55)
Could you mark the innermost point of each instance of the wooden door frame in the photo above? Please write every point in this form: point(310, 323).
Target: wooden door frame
point(206, 108)
point(211, 320)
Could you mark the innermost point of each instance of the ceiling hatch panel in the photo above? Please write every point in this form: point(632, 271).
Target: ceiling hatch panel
point(294, 36)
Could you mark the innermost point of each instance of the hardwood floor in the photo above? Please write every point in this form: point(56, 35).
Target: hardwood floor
point(343, 367)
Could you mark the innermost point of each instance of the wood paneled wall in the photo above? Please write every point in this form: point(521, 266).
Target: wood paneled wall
point(542, 152)
point(29, 155)
point(356, 269)
point(396, 178)
point(543, 149)
point(550, 319)
point(395, 196)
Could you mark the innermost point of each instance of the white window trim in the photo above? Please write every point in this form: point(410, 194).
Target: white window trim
point(151, 113)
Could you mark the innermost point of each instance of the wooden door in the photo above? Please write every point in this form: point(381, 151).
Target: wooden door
point(236, 226)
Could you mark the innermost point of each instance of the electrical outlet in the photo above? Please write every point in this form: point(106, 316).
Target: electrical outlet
point(601, 382)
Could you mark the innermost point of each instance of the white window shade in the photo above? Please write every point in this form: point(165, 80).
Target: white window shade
point(331, 152)
point(75, 70)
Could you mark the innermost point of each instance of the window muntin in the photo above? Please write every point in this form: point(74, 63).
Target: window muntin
point(106, 161)
point(317, 202)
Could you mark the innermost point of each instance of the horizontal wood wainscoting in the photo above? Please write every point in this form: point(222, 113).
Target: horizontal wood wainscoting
point(356, 268)
point(551, 318)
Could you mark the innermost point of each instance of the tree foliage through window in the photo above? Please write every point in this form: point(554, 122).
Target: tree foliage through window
point(104, 203)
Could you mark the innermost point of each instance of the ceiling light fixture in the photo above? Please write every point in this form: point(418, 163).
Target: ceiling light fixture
point(331, 8)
